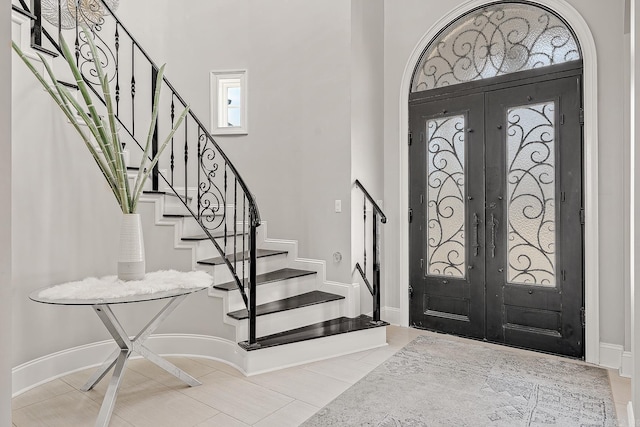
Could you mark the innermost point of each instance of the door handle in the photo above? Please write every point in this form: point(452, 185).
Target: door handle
point(476, 244)
point(492, 245)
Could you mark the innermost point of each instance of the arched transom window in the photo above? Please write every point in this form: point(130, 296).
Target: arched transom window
point(498, 39)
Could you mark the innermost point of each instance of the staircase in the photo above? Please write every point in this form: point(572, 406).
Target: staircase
point(281, 308)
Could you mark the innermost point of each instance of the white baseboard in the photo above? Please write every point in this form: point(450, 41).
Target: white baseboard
point(613, 356)
point(627, 365)
point(43, 369)
point(55, 365)
point(391, 315)
point(631, 418)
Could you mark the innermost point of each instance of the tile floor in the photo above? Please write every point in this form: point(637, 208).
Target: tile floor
point(151, 397)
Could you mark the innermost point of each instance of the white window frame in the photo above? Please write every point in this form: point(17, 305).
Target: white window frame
point(220, 81)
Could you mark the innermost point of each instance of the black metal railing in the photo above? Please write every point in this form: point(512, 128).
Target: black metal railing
point(193, 165)
point(374, 284)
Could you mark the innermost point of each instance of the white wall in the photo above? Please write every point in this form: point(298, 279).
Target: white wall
point(5, 216)
point(367, 126)
point(296, 158)
point(407, 21)
point(634, 160)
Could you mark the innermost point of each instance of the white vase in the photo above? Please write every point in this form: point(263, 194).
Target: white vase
point(131, 265)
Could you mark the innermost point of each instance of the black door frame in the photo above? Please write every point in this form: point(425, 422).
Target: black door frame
point(570, 69)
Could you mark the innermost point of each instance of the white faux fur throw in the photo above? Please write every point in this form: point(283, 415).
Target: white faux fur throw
point(111, 287)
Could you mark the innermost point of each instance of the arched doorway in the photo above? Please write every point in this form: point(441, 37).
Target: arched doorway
point(496, 235)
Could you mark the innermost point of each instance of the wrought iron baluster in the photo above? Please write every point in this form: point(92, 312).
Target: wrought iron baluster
point(117, 43)
point(244, 212)
point(59, 20)
point(77, 41)
point(235, 221)
point(133, 88)
point(376, 270)
point(225, 208)
point(173, 116)
point(36, 28)
point(199, 162)
point(186, 158)
point(364, 209)
point(252, 276)
point(154, 138)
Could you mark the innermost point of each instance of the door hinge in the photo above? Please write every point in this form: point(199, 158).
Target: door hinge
point(410, 292)
point(410, 138)
point(581, 215)
point(561, 119)
point(563, 273)
point(410, 215)
point(422, 199)
point(563, 196)
point(582, 316)
point(421, 263)
point(581, 116)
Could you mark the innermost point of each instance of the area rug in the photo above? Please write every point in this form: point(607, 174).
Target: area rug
point(437, 381)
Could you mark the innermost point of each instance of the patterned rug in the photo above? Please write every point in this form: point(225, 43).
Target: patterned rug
point(444, 382)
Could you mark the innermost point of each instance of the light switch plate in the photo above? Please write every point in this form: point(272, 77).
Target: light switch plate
point(338, 206)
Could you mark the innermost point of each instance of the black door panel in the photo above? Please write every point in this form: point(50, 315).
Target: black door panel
point(511, 271)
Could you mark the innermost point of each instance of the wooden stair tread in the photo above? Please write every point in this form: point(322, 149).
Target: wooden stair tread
point(298, 301)
point(327, 328)
point(271, 276)
point(260, 253)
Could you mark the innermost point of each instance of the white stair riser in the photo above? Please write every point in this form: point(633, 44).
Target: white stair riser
point(289, 319)
point(268, 292)
point(284, 356)
point(222, 274)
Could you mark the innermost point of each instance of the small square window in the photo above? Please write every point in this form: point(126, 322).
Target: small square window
point(229, 102)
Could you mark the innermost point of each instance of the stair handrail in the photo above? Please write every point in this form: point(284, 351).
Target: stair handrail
point(244, 186)
point(253, 213)
point(378, 214)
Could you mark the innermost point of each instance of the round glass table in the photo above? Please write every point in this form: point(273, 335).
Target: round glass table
point(126, 346)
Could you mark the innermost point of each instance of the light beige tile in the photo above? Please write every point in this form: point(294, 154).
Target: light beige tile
point(151, 405)
point(151, 370)
point(359, 355)
point(310, 387)
point(620, 387)
point(70, 409)
point(222, 420)
point(132, 382)
point(380, 355)
point(38, 394)
point(621, 412)
point(237, 397)
point(219, 366)
point(78, 379)
point(342, 368)
point(291, 415)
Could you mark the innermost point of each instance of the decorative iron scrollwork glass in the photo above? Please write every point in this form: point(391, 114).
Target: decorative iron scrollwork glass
point(531, 241)
point(495, 40)
point(445, 196)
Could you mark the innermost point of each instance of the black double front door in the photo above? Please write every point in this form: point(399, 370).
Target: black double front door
point(496, 229)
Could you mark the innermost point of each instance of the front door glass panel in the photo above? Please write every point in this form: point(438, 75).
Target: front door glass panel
point(531, 236)
point(445, 196)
